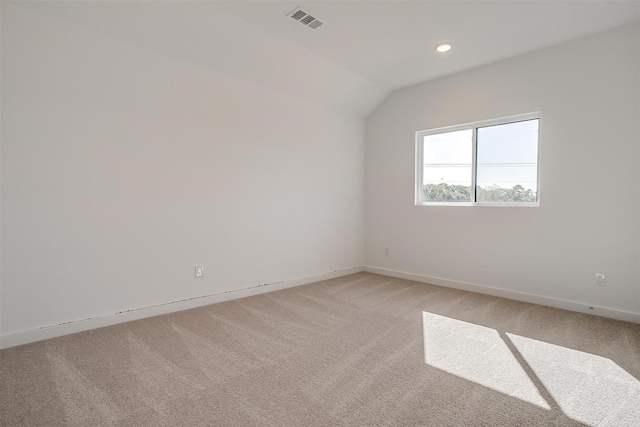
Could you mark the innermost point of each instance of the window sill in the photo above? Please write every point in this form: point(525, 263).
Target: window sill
point(487, 205)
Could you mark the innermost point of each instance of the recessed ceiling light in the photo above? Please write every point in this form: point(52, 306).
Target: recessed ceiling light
point(443, 47)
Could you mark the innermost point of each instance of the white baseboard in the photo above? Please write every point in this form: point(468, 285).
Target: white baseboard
point(514, 295)
point(52, 331)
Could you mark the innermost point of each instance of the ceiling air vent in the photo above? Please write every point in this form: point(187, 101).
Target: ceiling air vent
point(305, 19)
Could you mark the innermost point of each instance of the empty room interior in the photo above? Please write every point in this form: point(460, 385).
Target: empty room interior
point(320, 213)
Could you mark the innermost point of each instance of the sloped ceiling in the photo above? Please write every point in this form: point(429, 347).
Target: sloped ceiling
point(365, 49)
point(392, 42)
point(205, 35)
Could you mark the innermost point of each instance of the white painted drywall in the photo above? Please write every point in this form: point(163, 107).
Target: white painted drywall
point(589, 94)
point(122, 168)
point(203, 33)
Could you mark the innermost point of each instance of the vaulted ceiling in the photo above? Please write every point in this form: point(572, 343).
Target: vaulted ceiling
point(362, 52)
point(392, 42)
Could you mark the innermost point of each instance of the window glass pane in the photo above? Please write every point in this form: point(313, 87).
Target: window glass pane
point(447, 167)
point(507, 162)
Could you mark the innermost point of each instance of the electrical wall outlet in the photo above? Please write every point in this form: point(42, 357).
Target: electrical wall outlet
point(601, 279)
point(386, 251)
point(199, 271)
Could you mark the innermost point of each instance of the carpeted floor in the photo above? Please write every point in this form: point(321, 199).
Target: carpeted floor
point(361, 350)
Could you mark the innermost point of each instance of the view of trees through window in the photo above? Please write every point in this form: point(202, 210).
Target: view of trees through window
point(444, 192)
point(505, 164)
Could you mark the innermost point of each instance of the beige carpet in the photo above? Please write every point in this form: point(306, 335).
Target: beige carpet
point(362, 350)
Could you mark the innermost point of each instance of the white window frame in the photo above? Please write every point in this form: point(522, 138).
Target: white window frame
point(474, 128)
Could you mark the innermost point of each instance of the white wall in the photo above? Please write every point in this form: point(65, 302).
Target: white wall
point(589, 94)
point(123, 168)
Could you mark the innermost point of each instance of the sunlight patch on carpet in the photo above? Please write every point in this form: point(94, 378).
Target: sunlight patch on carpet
point(477, 353)
point(591, 389)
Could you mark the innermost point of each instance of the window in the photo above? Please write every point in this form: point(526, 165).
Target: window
point(488, 163)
